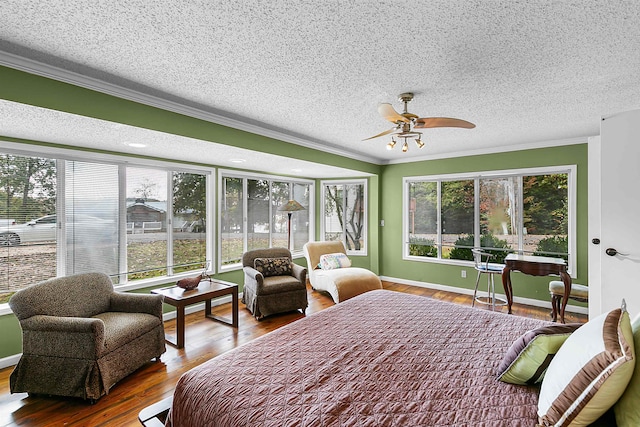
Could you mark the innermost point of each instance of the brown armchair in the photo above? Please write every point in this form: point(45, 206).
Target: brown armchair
point(80, 337)
point(273, 283)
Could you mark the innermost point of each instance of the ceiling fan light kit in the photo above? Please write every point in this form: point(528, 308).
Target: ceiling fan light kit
point(406, 123)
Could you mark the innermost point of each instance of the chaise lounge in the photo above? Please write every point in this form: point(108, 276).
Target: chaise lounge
point(341, 281)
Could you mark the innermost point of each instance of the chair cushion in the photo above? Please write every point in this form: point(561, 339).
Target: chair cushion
point(280, 266)
point(278, 284)
point(121, 328)
point(527, 359)
point(589, 373)
point(556, 287)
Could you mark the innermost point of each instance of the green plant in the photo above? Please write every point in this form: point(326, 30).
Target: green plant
point(490, 244)
point(554, 245)
point(420, 246)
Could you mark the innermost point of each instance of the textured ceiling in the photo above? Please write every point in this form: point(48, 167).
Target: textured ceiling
point(525, 72)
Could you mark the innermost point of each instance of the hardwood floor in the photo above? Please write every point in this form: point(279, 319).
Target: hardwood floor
point(204, 340)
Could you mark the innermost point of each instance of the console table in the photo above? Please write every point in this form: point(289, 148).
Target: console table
point(206, 290)
point(535, 266)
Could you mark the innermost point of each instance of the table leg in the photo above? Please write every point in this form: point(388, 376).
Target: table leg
point(234, 309)
point(506, 284)
point(180, 327)
point(207, 308)
point(566, 279)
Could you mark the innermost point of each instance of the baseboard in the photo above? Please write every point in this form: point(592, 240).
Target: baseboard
point(528, 301)
point(12, 360)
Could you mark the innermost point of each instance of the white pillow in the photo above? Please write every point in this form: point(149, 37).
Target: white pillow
point(589, 373)
point(332, 261)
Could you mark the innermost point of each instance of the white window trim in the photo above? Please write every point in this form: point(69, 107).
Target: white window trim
point(365, 247)
point(570, 170)
point(229, 173)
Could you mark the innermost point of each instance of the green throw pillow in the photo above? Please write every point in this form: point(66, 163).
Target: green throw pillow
point(626, 408)
point(529, 356)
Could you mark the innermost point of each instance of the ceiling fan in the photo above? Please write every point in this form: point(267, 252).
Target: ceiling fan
point(406, 123)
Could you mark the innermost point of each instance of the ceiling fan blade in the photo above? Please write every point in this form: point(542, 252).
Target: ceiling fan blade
point(442, 122)
point(386, 132)
point(387, 111)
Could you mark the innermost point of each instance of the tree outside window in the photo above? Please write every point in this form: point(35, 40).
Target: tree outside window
point(345, 214)
point(528, 213)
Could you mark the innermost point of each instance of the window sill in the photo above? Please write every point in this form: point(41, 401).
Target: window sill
point(138, 284)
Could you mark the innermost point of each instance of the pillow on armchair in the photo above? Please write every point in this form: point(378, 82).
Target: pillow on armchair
point(273, 266)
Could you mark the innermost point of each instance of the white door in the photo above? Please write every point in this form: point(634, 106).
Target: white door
point(614, 263)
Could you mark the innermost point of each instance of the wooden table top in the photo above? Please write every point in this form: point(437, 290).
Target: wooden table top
point(534, 259)
point(205, 288)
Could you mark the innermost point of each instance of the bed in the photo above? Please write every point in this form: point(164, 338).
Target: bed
point(382, 358)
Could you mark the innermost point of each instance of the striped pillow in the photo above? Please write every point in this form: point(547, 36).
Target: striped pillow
point(589, 373)
point(529, 356)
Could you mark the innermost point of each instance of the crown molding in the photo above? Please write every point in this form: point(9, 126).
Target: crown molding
point(44, 70)
point(495, 150)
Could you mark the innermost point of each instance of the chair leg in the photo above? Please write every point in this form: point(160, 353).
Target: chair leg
point(475, 291)
point(554, 307)
point(493, 293)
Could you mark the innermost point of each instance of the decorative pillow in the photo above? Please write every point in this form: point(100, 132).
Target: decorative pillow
point(331, 261)
point(627, 408)
point(589, 373)
point(529, 356)
point(273, 266)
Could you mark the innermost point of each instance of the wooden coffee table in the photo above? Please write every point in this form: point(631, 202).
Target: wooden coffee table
point(206, 291)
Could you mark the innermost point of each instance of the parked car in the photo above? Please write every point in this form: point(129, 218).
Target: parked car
point(43, 229)
point(7, 222)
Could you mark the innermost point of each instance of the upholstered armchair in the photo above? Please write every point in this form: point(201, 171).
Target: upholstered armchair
point(273, 283)
point(80, 337)
point(336, 276)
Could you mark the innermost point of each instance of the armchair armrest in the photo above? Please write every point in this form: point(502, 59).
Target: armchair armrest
point(253, 278)
point(77, 337)
point(300, 273)
point(253, 274)
point(136, 303)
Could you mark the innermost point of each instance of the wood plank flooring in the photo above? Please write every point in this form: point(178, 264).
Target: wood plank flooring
point(156, 380)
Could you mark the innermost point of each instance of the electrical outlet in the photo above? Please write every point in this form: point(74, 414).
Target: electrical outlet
point(382, 223)
point(464, 274)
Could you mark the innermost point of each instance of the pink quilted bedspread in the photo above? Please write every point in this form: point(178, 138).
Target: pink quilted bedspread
point(383, 358)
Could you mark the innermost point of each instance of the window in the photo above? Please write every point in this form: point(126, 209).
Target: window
point(232, 220)
point(28, 239)
point(91, 203)
point(62, 216)
point(250, 215)
point(527, 211)
point(345, 216)
point(165, 238)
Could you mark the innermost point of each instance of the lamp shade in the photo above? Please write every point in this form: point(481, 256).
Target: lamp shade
point(291, 206)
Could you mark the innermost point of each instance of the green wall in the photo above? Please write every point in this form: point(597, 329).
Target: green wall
point(22, 87)
point(385, 186)
point(391, 238)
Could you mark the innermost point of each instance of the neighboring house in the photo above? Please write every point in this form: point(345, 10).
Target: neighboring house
point(141, 212)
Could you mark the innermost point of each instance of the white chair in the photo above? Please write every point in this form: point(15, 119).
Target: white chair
point(484, 266)
point(340, 283)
